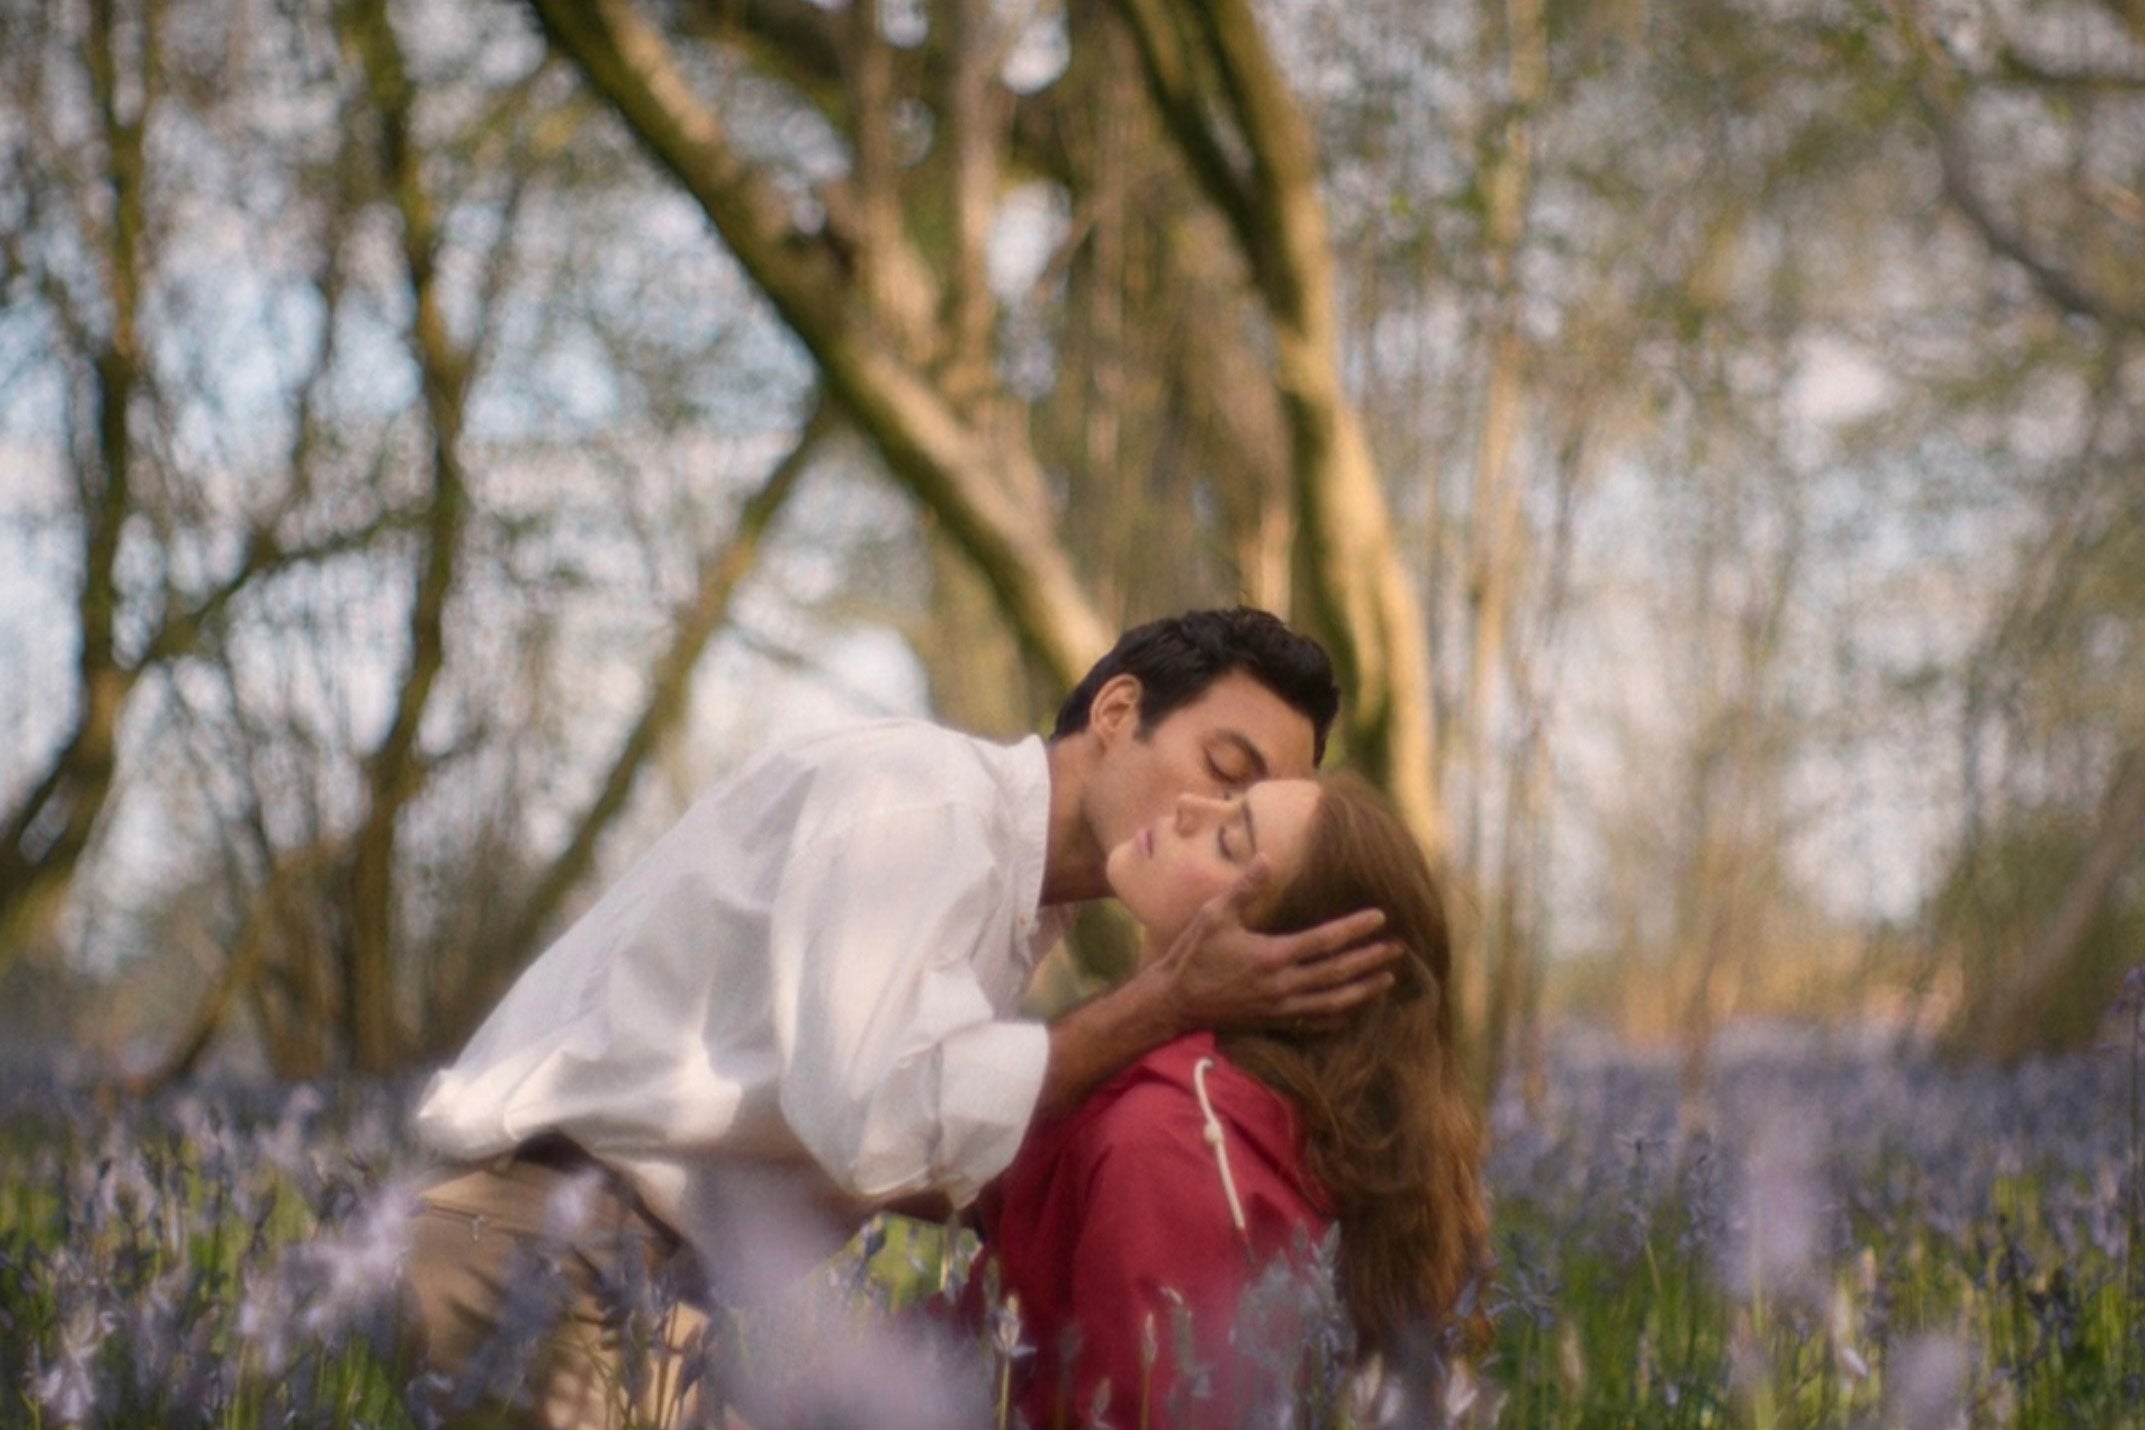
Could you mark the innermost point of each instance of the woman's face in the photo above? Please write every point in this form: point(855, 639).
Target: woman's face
point(1169, 868)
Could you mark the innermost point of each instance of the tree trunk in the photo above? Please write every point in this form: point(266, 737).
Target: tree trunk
point(984, 488)
point(670, 685)
point(50, 830)
point(2010, 1020)
point(1358, 590)
point(395, 770)
point(1497, 548)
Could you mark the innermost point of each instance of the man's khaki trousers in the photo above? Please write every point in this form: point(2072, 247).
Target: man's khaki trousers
point(540, 1293)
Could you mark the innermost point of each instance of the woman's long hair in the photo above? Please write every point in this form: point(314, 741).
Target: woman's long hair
point(1389, 1131)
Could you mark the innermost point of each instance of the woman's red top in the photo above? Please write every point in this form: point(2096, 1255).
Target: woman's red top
point(1116, 1218)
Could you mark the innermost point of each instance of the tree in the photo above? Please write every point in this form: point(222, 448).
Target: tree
point(1667, 415)
point(94, 253)
point(310, 618)
point(2051, 716)
point(884, 280)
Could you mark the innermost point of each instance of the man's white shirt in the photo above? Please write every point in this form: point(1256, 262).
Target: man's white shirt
point(822, 960)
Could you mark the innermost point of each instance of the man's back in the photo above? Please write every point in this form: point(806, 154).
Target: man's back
point(778, 978)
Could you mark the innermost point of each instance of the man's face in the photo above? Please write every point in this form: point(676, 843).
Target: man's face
point(1237, 733)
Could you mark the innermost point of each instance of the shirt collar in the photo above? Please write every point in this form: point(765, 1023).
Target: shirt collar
point(1027, 784)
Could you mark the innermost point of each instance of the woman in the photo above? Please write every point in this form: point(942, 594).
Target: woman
point(1129, 1231)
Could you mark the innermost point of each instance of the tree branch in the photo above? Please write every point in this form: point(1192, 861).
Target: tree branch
point(1360, 592)
point(2016, 1013)
point(393, 771)
point(1938, 87)
point(2015, 66)
point(2058, 284)
point(1169, 62)
point(972, 479)
point(670, 685)
point(632, 66)
point(48, 833)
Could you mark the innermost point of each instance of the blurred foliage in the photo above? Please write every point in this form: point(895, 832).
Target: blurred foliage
point(2003, 891)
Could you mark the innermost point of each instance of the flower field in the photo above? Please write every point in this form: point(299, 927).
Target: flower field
point(1820, 1235)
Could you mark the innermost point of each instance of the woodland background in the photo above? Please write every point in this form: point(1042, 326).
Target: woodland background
point(436, 439)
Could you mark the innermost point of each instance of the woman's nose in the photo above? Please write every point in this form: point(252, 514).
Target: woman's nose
point(1191, 808)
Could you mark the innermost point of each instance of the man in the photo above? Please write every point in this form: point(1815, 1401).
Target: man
point(806, 992)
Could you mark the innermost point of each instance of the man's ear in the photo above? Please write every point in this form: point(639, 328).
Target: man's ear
point(1115, 710)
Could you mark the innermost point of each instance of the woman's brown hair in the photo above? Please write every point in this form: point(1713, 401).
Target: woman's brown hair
point(1389, 1131)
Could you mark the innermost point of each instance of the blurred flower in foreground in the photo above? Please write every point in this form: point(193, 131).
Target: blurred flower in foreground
point(1927, 1384)
point(67, 1390)
point(1776, 1243)
point(351, 1269)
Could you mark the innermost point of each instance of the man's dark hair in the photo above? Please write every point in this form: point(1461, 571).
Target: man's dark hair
point(1178, 657)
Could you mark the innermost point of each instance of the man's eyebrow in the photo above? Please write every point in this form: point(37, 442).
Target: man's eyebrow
point(1249, 751)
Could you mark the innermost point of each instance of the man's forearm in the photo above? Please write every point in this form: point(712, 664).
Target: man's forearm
point(1216, 974)
point(1094, 1041)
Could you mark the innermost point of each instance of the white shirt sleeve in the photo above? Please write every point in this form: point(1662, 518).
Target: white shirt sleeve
point(890, 934)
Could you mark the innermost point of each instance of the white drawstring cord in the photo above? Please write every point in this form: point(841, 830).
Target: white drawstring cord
point(1213, 1135)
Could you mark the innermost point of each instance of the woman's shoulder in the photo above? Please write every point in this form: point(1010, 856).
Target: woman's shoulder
point(1153, 1101)
point(1166, 1080)
point(1194, 1068)
point(1203, 1144)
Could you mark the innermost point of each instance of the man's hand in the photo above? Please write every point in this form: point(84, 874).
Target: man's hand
point(1220, 974)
